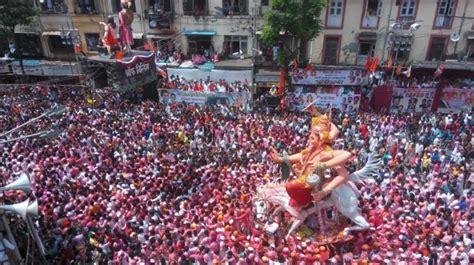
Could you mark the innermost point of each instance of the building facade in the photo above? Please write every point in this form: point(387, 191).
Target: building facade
point(353, 29)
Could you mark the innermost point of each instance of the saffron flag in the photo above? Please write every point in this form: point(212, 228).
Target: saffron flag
point(389, 62)
point(375, 64)
point(162, 72)
point(281, 84)
point(398, 71)
point(309, 67)
point(368, 62)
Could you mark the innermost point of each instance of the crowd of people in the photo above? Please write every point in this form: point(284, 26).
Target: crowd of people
point(173, 184)
point(207, 85)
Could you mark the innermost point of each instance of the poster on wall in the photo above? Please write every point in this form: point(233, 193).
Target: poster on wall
point(237, 99)
point(136, 72)
point(327, 77)
point(456, 100)
point(412, 100)
point(345, 100)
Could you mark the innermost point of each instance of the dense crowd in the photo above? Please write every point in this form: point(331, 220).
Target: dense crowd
point(153, 184)
point(207, 85)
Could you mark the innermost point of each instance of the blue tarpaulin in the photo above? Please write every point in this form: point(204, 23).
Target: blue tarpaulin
point(198, 33)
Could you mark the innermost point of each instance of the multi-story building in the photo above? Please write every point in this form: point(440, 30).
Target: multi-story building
point(355, 28)
point(352, 29)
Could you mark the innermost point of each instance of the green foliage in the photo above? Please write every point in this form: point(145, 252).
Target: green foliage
point(15, 12)
point(300, 19)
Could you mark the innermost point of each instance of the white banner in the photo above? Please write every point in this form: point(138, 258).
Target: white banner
point(327, 77)
point(214, 75)
point(340, 98)
point(412, 99)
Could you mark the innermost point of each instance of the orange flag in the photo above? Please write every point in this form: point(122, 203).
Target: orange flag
point(398, 71)
point(281, 84)
point(374, 64)
point(389, 62)
point(368, 62)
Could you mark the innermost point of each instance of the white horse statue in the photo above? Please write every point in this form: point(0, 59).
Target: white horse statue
point(344, 198)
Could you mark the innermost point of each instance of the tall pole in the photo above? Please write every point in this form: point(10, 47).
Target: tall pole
point(387, 29)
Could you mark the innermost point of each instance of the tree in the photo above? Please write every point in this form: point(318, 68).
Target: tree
point(297, 19)
point(13, 13)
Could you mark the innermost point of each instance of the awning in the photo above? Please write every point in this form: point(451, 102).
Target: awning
point(365, 35)
point(198, 33)
point(158, 36)
point(51, 33)
point(138, 35)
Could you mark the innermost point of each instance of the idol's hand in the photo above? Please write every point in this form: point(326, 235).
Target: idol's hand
point(275, 156)
point(320, 195)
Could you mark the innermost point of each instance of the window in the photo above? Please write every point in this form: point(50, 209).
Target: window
point(235, 44)
point(331, 50)
point(59, 45)
point(92, 40)
point(444, 16)
point(86, 6)
point(195, 7)
point(234, 7)
point(52, 6)
point(365, 48)
point(160, 6)
point(334, 14)
point(199, 44)
point(437, 49)
point(116, 7)
point(470, 50)
point(264, 2)
point(372, 13)
point(408, 12)
point(30, 44)
point(408, 8)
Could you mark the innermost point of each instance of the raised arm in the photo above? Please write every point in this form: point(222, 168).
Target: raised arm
point(295, 158)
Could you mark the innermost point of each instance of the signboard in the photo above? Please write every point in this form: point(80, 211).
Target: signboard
point(238, 99)
point(159, 21)
point(327, 77)
point(136, 72)
point(412, 99)
point(456, 100)
point(343, 99)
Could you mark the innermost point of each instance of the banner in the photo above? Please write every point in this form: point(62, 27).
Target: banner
point(456, 100)
point(214, 75)
point(341, 98)
point(237, 99)
point(412, 99)
point(382, 97)
point(327, 77)
point(138, 71)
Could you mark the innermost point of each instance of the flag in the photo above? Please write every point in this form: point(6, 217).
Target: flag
point(153, 47)
point(294, 63)
point(398, 71)
point(375, 64)
point(246, 82)
point(439, 71)
point(389, 62)
point(162, 72)
point(281, 84)
point(407, 72)
point(309, 67)
point(368, 62)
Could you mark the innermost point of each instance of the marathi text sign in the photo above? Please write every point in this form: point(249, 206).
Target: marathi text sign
point(456, 100)
point(340, 98)
point(138, 71)
point(327, 77)
point(203, 98)
point(412, 99)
